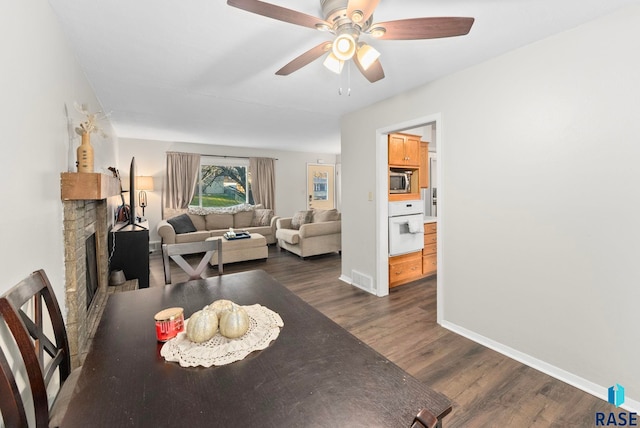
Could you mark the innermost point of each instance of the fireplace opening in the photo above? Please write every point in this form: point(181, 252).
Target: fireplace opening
point(92, 268)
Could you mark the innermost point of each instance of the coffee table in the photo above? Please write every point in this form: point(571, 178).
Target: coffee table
point(239, 250)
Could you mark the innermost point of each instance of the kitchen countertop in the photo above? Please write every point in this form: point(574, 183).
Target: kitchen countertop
point(430, 219)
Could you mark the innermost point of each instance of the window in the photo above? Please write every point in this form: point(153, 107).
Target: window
point(222, 182)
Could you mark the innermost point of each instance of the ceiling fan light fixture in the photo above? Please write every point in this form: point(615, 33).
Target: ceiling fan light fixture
point(344, 46)
point(377, 31)
point(333, 63)
point(367, 55)
point(323, 27)
point(357, 16)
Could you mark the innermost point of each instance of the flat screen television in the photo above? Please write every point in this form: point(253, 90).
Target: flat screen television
point(132, 192)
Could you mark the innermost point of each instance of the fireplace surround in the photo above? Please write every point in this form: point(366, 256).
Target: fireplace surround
point(85, 212)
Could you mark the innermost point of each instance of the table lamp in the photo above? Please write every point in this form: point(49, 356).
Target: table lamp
point(143, 183)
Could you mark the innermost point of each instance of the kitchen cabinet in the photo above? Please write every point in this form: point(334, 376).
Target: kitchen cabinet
point(413, 266)
point(404, 150)
point(404, 268)
point(429, 252)
point(424, 164)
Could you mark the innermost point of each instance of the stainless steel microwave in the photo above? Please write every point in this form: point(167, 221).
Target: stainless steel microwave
point(399, 181)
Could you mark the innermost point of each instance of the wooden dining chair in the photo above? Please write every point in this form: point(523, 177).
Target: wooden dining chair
point(21, 308)
point(11, 407)
point(176, 251)
point(425, 419)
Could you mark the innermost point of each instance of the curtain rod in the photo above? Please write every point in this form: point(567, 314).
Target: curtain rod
point(222, 156)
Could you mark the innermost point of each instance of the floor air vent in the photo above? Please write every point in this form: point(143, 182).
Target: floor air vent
point(361, 280)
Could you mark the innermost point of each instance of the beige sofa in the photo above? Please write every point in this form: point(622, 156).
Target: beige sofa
point(215, 224)
point(318, 236)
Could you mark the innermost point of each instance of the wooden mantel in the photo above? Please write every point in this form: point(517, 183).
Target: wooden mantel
point(76, 186)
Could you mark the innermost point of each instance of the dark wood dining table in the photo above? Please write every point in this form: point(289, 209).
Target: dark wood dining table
point(315, 374)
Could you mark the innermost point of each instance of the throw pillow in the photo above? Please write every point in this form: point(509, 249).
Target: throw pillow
point(300, 218)
point(262, 217)
point(182, 224)
point(325, 215)
point(242, 219)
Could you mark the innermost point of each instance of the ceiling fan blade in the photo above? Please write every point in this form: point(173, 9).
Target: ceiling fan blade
point(373, 73)
point(365, 6)
point(304, 59)
point(424, 28)
point(277, 12)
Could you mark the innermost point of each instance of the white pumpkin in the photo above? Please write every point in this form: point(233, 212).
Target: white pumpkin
point(202, 326)
point(234, 322)
point(219, 306)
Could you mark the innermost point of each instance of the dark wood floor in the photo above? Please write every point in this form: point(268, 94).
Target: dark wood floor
point(487, 388)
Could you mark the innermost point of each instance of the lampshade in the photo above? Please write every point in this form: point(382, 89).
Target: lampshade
point(344, 46)
point(367, 55)
point(144, 182)
point(333, 63)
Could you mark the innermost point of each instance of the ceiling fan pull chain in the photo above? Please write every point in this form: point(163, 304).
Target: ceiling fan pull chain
point(349, 79)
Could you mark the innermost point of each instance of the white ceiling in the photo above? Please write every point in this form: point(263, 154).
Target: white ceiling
point(202, 71)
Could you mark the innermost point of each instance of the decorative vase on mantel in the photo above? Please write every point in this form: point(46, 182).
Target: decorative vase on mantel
point(85, 154)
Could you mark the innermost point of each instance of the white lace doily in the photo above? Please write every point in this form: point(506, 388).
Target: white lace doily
point(264, 327)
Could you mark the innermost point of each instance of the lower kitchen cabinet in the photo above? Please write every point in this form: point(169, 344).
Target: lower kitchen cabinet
point(404, 268)
point(429, 252)
point(413, 266)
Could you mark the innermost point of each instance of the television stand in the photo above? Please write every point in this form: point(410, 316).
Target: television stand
point(129, 251)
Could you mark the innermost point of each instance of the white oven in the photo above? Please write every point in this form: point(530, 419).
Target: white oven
point(406, 227)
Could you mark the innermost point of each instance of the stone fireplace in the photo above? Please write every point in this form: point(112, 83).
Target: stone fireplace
point(82, 219)
point(85, 205)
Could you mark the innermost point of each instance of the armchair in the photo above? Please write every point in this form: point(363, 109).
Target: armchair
point(310, 239)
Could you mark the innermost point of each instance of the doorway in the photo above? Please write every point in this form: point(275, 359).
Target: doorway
point(320, 186)
point(382, 207)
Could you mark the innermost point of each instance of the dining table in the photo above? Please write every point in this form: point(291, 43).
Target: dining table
point(314, 374)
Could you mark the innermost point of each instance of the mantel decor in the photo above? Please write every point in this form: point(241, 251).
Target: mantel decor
point(84, 152)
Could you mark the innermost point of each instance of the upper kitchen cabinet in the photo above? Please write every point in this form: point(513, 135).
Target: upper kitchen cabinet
point(404, 150)
point(424, 164)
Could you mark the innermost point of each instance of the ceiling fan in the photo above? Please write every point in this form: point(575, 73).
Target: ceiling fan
point(347, 20)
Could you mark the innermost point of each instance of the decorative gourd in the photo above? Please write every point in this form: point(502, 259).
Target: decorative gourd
point(234, 322)
point(219, 306)
point(202, 326)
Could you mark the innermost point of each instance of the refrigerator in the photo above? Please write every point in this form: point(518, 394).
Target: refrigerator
point(429, 195)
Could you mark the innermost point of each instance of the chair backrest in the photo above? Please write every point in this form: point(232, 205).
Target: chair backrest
point(176, 251)
point(11, 406)
point(42, 356)
point(424, 419)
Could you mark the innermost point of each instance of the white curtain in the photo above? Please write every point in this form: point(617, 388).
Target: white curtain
point(181, 179)
point(263, 181)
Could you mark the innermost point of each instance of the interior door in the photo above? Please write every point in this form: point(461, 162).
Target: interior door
point(320, 186)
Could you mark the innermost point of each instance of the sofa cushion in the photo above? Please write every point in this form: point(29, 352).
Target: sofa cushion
point(300, 218)
point(262, 217)
point(288, 235)
point(182, 224)
point(198, 236)
point(325, 215)
point(198, 221)
point(242, 219)
point(219, 221)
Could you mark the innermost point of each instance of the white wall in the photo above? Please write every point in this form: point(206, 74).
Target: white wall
point(39, 77)
point(540, 167)
point(291, 171)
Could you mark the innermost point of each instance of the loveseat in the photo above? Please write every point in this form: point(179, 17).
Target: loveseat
point(309, 233)
point(198, 224)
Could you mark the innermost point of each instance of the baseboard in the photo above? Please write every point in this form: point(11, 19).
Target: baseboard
point(346, 279)
point(585, 385)
point(155, 246)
